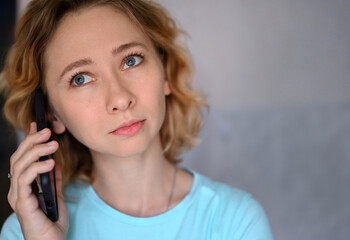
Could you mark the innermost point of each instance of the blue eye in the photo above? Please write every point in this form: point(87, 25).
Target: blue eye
point(81, 79)
point(131, 61)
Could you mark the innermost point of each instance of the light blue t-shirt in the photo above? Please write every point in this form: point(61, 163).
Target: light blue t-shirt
point(211, 210)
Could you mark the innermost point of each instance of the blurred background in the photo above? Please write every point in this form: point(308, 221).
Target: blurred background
point(7, 134)
point(277, 78)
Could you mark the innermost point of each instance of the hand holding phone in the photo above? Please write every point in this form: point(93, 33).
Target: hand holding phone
point(37, 222)
point(48, 193)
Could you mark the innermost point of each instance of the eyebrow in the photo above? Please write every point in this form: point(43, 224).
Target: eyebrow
point(124, 47)
point(76, 64)
point(89, 61)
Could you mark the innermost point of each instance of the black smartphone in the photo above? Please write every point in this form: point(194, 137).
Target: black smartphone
point(47, 182)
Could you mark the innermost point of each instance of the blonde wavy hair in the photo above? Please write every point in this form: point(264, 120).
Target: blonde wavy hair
point(23, 70)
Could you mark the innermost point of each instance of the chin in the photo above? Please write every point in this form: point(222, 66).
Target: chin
point(130, 149)
point(139, 145)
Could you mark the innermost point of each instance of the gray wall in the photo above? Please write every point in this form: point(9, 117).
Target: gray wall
point(277, 78)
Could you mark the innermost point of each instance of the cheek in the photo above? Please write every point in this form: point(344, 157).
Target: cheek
point(159, 100)
point(153, 94)
point(76, 117)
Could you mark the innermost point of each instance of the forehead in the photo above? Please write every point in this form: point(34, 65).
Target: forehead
point(91, 30)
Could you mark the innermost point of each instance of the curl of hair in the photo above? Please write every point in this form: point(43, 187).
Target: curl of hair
point(22, 74)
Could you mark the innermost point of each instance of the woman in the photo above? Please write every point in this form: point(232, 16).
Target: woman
point(121, 109)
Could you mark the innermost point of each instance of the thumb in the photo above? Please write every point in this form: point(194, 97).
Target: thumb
point(59, 181)
point(62, 208)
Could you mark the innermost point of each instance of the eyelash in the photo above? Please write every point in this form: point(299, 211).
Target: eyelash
point(71, 79)
point(138, 54)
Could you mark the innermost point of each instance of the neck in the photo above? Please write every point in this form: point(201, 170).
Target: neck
point(139, 186)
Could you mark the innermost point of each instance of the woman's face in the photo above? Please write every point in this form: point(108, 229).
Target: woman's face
point(105, 82)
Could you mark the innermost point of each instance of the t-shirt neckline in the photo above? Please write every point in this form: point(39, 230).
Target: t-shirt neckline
point(179, 209)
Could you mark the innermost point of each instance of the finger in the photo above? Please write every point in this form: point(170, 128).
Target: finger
point(26, 179)
point(33, 155)
point(21, 165)
point(62, 208)
point(58, 175)
point(32, 128)
point(24, 188)
point(16, 156)
point(28, 143)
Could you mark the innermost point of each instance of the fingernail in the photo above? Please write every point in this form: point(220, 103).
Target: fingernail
point(50, 143)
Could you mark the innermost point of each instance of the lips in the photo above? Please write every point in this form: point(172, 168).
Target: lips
point(129, 128)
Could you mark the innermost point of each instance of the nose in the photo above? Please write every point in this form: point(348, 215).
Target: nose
point(119, 97)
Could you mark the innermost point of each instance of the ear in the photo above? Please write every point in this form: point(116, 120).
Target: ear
point(167, 89)
point(56, 124)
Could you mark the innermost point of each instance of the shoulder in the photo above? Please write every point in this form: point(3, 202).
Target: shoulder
point(228, 196)
point(238, 215)
point(11, 229)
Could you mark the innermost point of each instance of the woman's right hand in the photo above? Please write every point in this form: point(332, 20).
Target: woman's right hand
point(24, 168)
